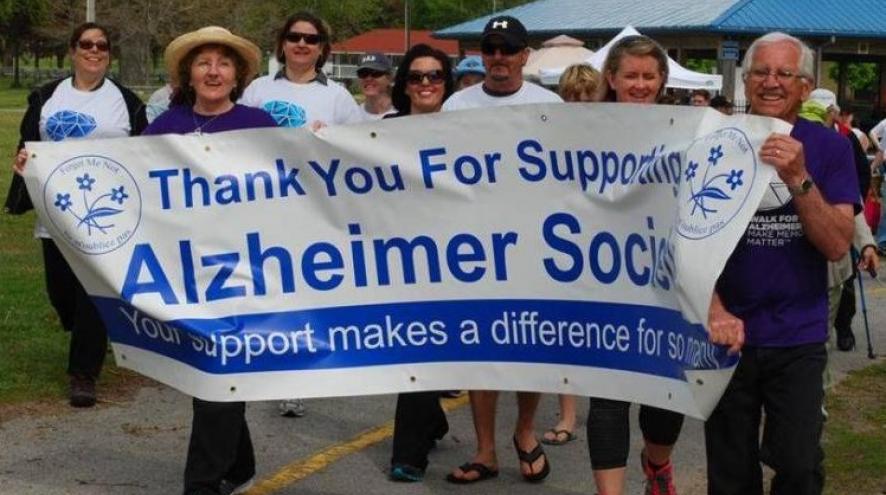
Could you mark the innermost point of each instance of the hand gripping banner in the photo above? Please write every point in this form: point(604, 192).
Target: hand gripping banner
point(558, 248)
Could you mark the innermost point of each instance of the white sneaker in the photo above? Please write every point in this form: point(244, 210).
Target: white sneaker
point(292, 408)
point(228, 488)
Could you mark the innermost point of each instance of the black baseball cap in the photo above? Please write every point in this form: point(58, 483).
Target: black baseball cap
point(376, 61)
point(509, 28)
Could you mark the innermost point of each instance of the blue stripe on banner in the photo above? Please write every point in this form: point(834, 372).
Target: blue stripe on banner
point(625, 337)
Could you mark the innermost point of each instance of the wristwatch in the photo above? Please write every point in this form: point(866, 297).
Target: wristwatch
point(802, 188)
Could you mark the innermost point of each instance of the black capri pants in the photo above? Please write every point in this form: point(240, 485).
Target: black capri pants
point(609, 431)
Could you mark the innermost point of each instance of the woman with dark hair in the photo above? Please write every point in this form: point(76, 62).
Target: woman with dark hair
point(423, 81)
point(209, 67)
point(300, 93)
point(635, 71)
point(85, 105)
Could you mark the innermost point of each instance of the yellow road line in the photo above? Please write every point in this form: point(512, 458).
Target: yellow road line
point(299, 470)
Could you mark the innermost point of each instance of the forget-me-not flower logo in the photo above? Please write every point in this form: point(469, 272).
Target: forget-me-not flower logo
point(93, 203)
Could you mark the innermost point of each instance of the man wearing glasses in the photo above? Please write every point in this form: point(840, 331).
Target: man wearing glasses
point(505, 50)
point(771, 300)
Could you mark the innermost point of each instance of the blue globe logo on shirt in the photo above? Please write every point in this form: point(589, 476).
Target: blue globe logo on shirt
point(719, 172)
point(286, 114)
point(69, 124)
point(93, 203)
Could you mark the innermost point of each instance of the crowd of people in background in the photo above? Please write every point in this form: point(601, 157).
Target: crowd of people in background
point(831, 168)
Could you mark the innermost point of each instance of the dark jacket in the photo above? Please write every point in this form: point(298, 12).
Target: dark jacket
point(17, 201)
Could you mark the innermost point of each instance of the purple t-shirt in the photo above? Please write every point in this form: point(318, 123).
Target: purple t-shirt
point(181, 119)
point(776, 280)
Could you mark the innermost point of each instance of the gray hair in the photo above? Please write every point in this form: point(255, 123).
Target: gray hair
point(807, 58)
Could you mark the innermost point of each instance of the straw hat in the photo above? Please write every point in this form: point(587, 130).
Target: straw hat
point(179, 48)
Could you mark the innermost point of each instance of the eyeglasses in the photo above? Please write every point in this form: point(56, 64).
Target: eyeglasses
point(781, 75)
point(100, 45)
point(310, 39)
point(375, 74)
point(433, 77)
point(505, 48)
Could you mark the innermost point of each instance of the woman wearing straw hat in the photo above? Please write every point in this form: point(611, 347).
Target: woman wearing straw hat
point(209, 69)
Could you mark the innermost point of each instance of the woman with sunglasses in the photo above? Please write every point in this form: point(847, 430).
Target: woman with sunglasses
point(85, 105)
point(375, 76)
point(423, 81)
point(300, 93)
point(635, 71)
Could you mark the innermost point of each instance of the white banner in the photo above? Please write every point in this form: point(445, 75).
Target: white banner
point(557, 248)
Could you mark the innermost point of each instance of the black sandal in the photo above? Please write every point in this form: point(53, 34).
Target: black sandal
point(530, 458)
point(484, 473)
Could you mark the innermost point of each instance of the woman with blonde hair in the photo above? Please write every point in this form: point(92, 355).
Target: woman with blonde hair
point(635, 71)
point(580, 83)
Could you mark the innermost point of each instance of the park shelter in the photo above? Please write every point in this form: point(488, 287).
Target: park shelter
point(840, 32)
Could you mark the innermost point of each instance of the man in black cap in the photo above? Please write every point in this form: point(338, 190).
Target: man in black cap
point(374, 74)
point(505, 50)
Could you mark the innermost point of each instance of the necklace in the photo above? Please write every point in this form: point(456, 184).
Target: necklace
point(198, 128)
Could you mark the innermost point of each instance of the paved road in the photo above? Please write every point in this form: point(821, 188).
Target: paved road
point(342, 446)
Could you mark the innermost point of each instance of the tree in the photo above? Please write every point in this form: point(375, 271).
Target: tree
point(18, 20)
point(859, 76)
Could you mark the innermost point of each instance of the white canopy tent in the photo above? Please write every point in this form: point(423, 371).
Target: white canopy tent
point(561, 51)
point(678, 77)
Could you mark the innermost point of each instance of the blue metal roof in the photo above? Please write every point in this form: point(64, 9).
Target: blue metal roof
point(846, 18)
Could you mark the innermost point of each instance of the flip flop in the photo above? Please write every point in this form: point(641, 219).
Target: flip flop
point(483, 471)
point(558, 437)
point(530, 458)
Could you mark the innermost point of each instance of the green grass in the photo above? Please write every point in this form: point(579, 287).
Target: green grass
point(10, 99)
point(855, 433)
point(32, 344)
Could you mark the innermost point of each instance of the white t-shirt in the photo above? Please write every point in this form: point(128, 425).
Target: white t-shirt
point(368, 116)
point(296, 104)
point(475, 97)
point(158, 102)
point(74, 114)
point(879, 133)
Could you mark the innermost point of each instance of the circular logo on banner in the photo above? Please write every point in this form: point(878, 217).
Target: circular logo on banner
point(93, 202)
point(719, 172)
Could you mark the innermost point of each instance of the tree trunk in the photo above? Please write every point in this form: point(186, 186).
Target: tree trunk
point(135, 60)
point(16, 58)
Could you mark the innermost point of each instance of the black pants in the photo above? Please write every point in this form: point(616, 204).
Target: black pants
point(220, 447)
point(846, 309)
point(89, 338)
point(419, 422)
point(786, 383)
point(609, 431)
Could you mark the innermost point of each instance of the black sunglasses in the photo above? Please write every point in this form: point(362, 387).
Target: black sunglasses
point(310, 39)
point(87, 45)
point(433, 77)
point(375, 74)
point(489, 48)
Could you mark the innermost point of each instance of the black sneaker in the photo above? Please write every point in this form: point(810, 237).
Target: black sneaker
point(82, 393)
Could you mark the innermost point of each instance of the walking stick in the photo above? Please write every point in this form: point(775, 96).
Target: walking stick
point(864, 306)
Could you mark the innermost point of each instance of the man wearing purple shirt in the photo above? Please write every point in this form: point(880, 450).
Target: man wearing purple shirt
point(771, 299)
